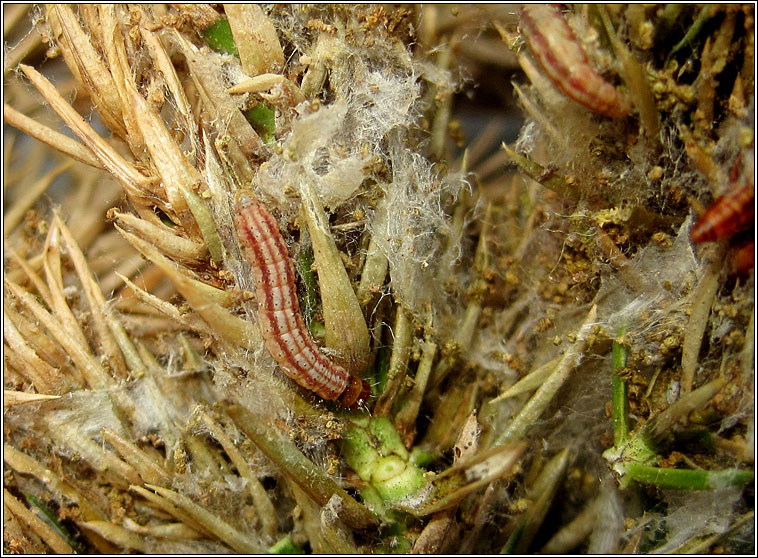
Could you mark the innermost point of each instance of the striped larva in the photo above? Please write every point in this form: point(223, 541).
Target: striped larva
point(557, 50)
point(728, 214)
point(281, 324)
point(731, 213)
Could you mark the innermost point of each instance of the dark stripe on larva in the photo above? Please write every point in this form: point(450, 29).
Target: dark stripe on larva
point(282, 327)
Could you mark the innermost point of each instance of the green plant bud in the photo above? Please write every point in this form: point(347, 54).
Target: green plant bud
point(359, 452)
point(388, 438)
point(395, 479)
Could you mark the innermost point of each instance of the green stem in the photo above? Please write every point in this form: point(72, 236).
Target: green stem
point(620, 408)
point(382, 369)
point(687, 479)
point(309, 300)
point(706, 13)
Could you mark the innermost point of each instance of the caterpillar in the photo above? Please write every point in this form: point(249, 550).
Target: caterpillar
point(728, 214)
point(282, 326)
point(557, 50)
point(743, 258)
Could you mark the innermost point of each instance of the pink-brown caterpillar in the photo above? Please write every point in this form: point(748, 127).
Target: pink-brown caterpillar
point(728, 214)
point(557, 50)
point(279, 318)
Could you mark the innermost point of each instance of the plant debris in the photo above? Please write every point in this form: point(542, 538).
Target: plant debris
point(528, 232)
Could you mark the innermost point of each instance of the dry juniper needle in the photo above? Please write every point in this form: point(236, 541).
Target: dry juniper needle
point(523, 238)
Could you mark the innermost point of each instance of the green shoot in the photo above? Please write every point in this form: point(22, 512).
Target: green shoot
point(47, 515)
point(263, 121)
point(687, 479)
point(219, 37)
point(285, 545)
point(309, 299)
point(620, 407)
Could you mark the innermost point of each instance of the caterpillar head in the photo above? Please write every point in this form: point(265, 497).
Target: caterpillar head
point(356, 392)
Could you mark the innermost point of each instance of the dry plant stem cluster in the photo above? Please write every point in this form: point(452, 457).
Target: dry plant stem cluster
point(488, 330)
